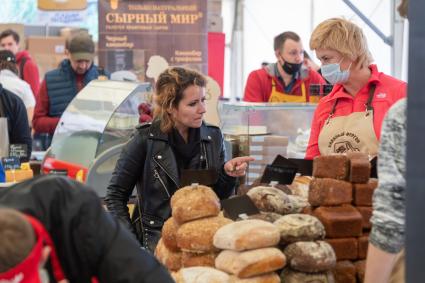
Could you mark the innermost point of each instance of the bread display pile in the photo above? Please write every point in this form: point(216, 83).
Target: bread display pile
point(187, 236)
point(341, 195)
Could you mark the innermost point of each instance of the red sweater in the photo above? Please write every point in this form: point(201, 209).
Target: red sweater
point(388, 91)
point(259, 85)
point(41, 121)
point(30, 71)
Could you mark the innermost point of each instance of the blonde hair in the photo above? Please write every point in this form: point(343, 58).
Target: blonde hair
point(344, 37)
point(169, 90)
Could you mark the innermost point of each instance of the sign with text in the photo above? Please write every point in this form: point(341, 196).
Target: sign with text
point(133, 31)
point(18, 150)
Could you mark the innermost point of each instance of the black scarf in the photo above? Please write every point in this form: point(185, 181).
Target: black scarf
point(183, 151)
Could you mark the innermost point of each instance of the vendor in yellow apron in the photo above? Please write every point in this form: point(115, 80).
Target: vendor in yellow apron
point(277, 96)
point(354, 132)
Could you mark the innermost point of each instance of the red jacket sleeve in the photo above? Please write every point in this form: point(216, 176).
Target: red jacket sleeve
point(41, 121)
point(313, 143)
point(31, 76)
point(253, 90)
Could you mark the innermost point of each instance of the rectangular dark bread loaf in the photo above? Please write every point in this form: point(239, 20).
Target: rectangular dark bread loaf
point(359, 170)
point(344, 248)
point(366, 212)
point(326, 191)
point(334, 166)
point(363, 243)
point(340, 221)
point(345, 272)
point(363, 193)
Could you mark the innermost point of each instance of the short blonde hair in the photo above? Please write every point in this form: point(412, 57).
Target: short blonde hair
point(169, 90)
point(344, 37)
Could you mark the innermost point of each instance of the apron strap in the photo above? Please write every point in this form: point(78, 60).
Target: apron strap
point(369, 100)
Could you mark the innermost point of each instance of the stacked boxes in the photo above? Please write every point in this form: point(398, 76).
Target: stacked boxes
point(342, 193)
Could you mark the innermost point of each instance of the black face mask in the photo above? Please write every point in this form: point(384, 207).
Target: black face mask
point(291, 68)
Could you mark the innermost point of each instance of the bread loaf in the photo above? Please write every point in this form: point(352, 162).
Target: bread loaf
point(269, 199)
point(266, 216)
point(196, 259)
point(363, 192)
point(329, 192)
point(310, 256)
point(200, 274)
point(360, 270)
point(345, 272)
point(363, 243)
point(197, 235)
point(359, 170)
point(265, 278)
point(289, 275)
point(246, 235)
point(344, 248)
point(340, 221)
point(335, 166)
point(300, 186)
point(299, 227)
point(250, 263)
point(169, 233)
point(194, 202)
point(366, 212)
point(171, 260)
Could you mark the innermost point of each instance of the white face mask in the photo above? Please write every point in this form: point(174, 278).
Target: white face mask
point(333, 74)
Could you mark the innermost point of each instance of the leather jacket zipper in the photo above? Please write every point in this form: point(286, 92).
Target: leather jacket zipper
point(157, 176)
point(205, 153)
point(163, 169)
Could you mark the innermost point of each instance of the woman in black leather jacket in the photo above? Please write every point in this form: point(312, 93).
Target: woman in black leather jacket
point(153, 158)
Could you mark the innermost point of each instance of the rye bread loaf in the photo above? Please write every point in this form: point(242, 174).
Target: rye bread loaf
point(310, 256)
point(169, 233)
point(325, 191)
point(197, 259)
point(344, 248)
point(200, 274)
point(299, 227)
point(289, 275)
point(250, 263)
point(194, 202)
point(246, 235)
point(197, 235)
point(344, 272)
point(363, 192)
point(366, 212)
point(334, 166)
point(363, 243)
point(171, 260)
point(269, 199)
point(340, 221)
point(360, 270)
point(359, 167)
point(265, 278)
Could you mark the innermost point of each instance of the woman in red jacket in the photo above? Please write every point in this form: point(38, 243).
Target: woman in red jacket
point(350, 117)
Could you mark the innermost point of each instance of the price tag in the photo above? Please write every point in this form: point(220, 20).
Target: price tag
point(11, 163)
point(18, 150)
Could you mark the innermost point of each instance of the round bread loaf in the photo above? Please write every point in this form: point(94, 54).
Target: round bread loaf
point(169, 233)
point(265, 278)
point(196, 259)
point(269, 199)
point(172, 260)
point(194, 202)
point(200, 274)
point(298, 203)
point(299, 227)
point(291, 276)
point(246, 235)
point(197, 235)
point(266, 216)
point(310, 256)
point(246, 264)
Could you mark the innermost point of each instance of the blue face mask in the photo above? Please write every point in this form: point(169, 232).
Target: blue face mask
point(333, 74)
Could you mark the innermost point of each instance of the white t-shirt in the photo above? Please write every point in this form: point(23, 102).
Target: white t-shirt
point(21, 88)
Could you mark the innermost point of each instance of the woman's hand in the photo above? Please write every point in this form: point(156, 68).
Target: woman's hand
point(236, 167)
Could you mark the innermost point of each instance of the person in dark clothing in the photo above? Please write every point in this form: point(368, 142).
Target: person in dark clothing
point(154, 157)
point(13, 109)
point(61, 85)
point(90, 244)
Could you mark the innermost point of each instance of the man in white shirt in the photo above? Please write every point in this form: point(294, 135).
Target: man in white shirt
point(9, 78)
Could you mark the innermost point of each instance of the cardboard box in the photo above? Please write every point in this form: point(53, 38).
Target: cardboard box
point(19, 28)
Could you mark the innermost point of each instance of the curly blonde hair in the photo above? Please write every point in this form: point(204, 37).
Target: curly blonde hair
point(169, 90)
point(344, 37)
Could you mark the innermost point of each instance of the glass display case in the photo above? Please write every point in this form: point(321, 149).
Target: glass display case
point(264, 130)
point(97, 121)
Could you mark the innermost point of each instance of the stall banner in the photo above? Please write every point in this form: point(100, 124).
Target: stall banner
point(132, 33)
